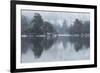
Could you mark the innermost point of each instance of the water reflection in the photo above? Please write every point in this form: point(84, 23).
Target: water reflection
point(40, 44)
point(37, 44)
point(80, 42)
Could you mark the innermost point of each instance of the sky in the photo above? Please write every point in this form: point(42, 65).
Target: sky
point(57, 18)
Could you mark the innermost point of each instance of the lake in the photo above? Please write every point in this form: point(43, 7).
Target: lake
point(50, 49)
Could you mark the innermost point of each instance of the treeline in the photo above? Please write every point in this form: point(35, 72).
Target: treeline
point(80, 27)
point(39, 26)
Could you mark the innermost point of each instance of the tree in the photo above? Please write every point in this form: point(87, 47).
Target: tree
point(64, 27)
point(37, 23)
point(86, 27)
point(76, 27)
point(38, 26)
point(24, 24)
point(48, 28)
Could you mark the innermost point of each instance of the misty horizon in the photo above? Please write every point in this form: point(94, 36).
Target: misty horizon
point(46, 36)
point(57, 18)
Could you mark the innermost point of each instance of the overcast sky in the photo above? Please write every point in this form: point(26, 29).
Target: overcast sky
point(57, 18)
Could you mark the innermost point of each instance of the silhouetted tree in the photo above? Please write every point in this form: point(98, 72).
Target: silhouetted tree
point(41, 44)
point(64, 27)
point(39, 26)
point(80, 27)
point(37, 23)
point(47, 28)
point(86, 27)
point(24, 24)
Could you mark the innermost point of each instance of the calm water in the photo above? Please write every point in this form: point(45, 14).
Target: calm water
point(44, 49)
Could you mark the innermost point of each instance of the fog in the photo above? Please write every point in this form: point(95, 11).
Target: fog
point(57, 18)
point(54, 36)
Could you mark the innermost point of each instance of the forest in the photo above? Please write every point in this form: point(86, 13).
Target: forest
point(38, 26)
point(52, 41)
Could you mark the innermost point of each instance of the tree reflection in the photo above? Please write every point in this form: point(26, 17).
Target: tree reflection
point(39, 44)
point(26, 43)
point(80, 42)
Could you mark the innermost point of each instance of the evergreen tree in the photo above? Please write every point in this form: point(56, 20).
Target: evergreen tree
point(37, 23)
